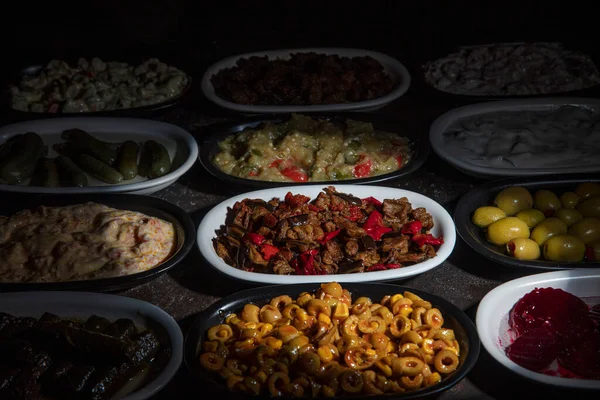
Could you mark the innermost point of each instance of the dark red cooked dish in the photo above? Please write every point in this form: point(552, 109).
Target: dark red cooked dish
point(336, 233)
point(304, 79)
point(553, 325)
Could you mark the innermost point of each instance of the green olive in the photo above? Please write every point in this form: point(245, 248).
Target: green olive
point(593, 251)
point(513, 199)
point(548, 228)
point(569, 216)
point(484, 216)
point(505, 229)
point(531, 217)
point(564, 248)
point(569, 199)
point(588, 190)
point(545, 200)
point(523, 249)
point(590, 207)
point(588, 229)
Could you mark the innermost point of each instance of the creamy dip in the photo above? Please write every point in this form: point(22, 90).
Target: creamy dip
point(95, 85)
point(568, 136)
point(512, 70)
point(78, 242)
point(304, 149)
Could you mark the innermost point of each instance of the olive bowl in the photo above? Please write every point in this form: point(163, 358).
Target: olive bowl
point(210, 137)
point(484, 195)
point(213, 386)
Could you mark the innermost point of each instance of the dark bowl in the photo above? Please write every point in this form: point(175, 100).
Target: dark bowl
point(429, 91)
point(484, 196)
point(129, 112)
point(454, 318)
point(210, 137)
point(186, 234)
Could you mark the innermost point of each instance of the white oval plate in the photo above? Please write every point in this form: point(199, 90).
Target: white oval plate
point(444, 121)
point(174, 138)
point(492, 316)
point(215, 218)
point(393, 67)
point(110, 306)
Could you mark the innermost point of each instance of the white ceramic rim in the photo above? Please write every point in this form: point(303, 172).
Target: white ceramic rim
point(487, 321)
point(129, 306)
point(206, 232)
point(394, 67)
point(100, 123)
point(442, 123)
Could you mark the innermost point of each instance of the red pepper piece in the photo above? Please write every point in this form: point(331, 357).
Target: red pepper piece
point(355, 213)
point(589, 254)
point(374, 226)
point(295, 173)
point(400, 161)
point(364, 169)
point(422, 239)
point(382, 267)
point(275, 163)
point(294, 200)
point(330, 235)
point(412, 228)
point(305, 263)
point(253, 173)
point(268, 251)
point(255, 238)
point(314, 208)
point(372, 200)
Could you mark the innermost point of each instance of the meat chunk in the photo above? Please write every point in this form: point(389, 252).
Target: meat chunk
point(282, 267)
point(422, 215)
point(333, 253)
point(397, 211)
point(351, 247)
point(399, 244)
point(351, 228)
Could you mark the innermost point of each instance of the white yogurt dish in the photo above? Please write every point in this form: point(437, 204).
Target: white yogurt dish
point(521, 137)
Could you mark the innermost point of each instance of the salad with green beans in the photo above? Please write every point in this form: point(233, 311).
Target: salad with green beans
point(95, 85)
point(24, 160)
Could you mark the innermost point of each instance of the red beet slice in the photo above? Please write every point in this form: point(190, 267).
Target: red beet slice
point(534, 350)
point(548, 308)
point(582, 354)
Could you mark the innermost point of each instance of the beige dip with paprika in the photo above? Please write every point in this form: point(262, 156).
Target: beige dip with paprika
point(80, 242)
point(305, 149)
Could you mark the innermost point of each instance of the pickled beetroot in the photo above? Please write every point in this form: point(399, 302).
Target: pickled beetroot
point(534, 350)
point(548, 308)
point(552, 324)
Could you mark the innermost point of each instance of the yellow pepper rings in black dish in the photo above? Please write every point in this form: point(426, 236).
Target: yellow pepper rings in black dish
point(325, 344)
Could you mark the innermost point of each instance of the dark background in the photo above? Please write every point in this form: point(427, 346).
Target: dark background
point(194, 34)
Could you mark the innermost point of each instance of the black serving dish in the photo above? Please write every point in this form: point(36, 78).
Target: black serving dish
point(484, 196)
point(185, 229)
point(454, 318)
point(210, 137)
point(31, 70)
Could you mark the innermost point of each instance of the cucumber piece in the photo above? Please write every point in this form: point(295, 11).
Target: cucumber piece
point(79, 134)
point(159, 162)
point(127, 159)
point(69, 173)
point(8, 145)
point(98, 169)
point(45, 174)
point(24, 154)
point(86, 143)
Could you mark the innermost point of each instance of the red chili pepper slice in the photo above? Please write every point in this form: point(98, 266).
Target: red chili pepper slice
point(330, 235)
point(355, 213)
point(254, 238)
point(374, 225)
point(589, 254)
point(268, 251)
point(305, 263)
point(422, 239)
point(275, 163)
point(294, 200)
point(412, 228)
point(253, 173)
point(295, 173)
point(364, 169)
point(400, 161)
point(372, 200)
point(382, 267)
point(314, 208)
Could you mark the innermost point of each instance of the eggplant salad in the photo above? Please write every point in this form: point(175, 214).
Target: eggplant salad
point(336, 233)
point(25, 160)
point(57, 358)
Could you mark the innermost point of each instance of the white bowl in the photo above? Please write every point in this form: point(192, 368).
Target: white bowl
point(391, 66)
point(493, 311)
point(174, 138)
point(444, 121)
point(82, 305)
point(215, 218)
